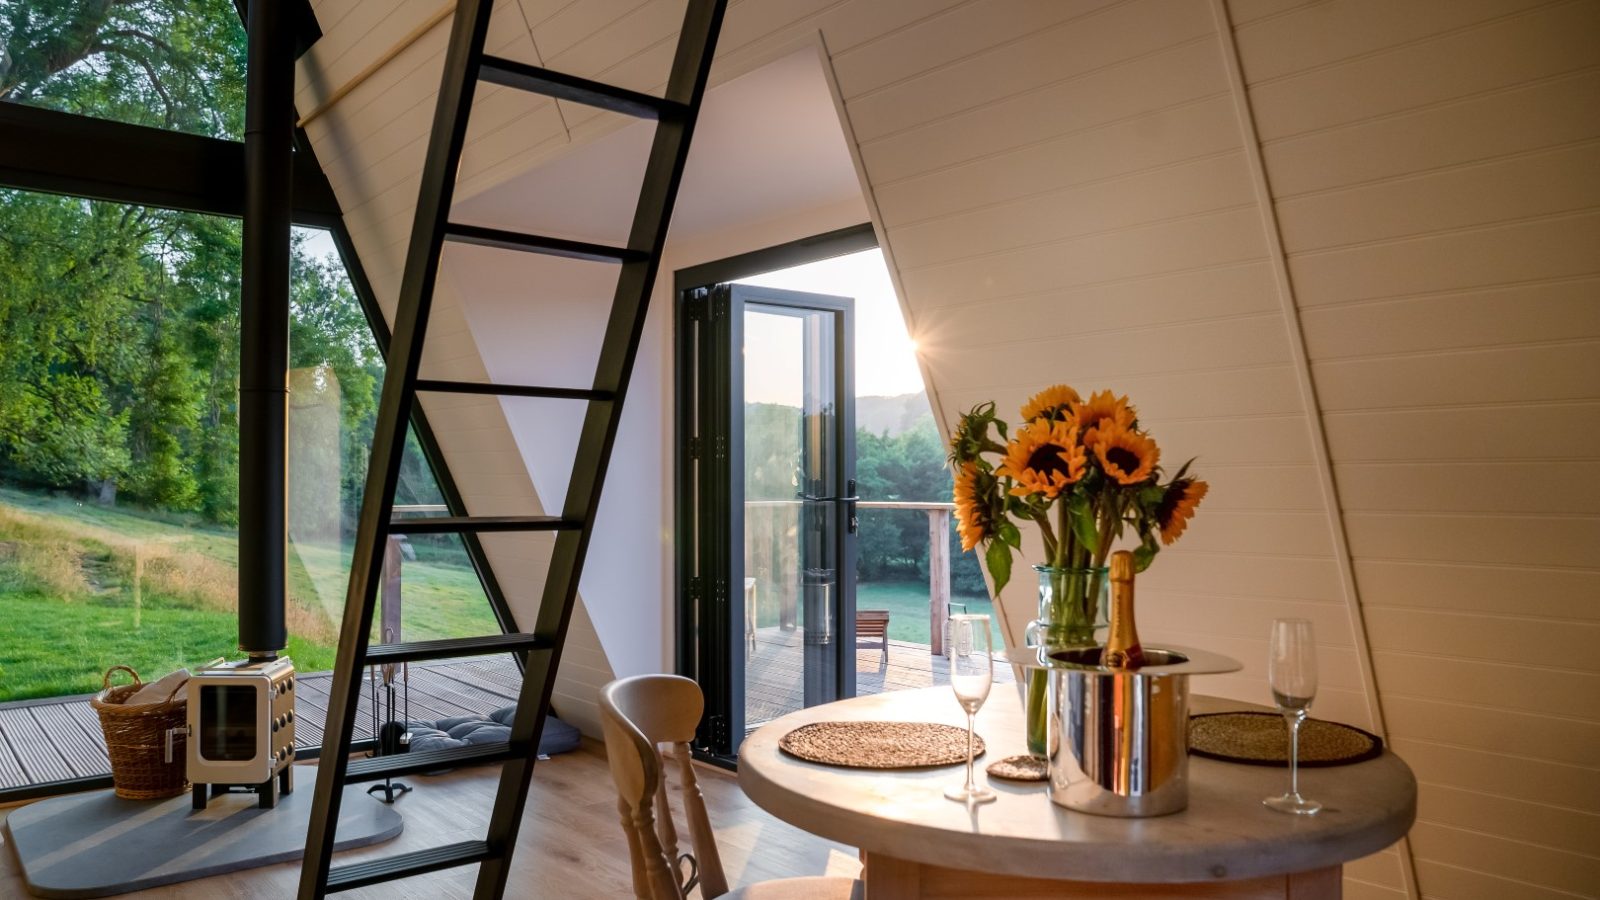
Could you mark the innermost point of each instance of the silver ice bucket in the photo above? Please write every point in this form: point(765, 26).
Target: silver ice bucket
point(1120, 739)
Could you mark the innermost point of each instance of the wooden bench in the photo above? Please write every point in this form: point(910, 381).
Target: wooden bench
point(873, 623)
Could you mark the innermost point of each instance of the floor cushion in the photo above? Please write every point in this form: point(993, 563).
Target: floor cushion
point(495, 728)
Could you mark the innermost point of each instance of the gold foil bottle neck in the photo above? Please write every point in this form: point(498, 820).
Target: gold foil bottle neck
point(1123, 650)
point(1122, 567)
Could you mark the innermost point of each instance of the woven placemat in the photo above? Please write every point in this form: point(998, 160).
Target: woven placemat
point(1020, 768)
point(1262, 739)
point(880, 745)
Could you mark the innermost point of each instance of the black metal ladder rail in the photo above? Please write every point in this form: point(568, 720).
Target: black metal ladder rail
point(676, 114)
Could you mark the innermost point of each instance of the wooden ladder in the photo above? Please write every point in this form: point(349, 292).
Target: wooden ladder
point(675, 114)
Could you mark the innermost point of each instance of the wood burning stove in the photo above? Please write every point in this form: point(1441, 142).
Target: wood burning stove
point(241, 729)
point(241, 715)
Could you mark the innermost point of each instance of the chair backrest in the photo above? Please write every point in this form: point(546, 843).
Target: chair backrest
point(638, 715)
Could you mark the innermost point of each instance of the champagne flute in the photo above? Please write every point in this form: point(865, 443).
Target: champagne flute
point(1292, 672)
point(971, 675)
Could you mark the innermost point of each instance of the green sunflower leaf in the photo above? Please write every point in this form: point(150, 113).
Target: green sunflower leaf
point(1083, 524)
point(998, 555)
point(1151, 494)
point(1010, 534)
point(1145, 553)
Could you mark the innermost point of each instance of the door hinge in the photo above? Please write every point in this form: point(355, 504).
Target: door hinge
point(694, 304)
point(694, 448)
point(718, 728)
point(696, 587)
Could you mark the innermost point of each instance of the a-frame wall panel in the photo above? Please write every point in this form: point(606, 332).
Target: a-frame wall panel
point(1434, 171)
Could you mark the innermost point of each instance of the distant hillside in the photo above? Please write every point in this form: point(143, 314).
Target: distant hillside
point(894, 415)
point(878, 415)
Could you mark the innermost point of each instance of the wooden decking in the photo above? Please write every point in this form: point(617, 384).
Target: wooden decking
point(773, 676)
point(58, 740)
point(55, 740)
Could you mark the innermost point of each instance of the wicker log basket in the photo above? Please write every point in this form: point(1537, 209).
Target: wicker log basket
point(136, 739)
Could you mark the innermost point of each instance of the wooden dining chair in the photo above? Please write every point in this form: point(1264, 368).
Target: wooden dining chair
point(638, 715)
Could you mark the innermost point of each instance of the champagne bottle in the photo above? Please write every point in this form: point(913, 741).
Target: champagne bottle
point(1122, 645)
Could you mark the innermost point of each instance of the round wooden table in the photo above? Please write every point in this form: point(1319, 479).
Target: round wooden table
point(915, 843)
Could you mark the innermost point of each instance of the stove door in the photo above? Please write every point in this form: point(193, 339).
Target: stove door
point(230, 723)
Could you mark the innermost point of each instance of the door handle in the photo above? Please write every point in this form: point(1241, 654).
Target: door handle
point(852, 523)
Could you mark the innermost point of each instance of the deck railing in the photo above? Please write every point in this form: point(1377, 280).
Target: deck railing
point(768, 521)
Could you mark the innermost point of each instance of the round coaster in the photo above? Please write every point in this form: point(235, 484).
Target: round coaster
point(880, 745)
point(1262, 739)
point(1020, 768)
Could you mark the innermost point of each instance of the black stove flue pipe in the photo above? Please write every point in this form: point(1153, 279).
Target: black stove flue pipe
point(264, 330)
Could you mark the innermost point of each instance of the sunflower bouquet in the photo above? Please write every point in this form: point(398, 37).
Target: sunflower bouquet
point(1086, 474)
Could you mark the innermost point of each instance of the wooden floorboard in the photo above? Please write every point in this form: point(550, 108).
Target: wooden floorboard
point(570, 846)
point(490, 673)
point(45, 741)
point(440, 692)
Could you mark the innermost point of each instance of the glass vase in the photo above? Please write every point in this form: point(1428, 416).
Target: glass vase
point(1073, 605)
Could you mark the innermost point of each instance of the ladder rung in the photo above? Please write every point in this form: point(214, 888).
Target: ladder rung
point(480, 524)
point(512, 390)
point(561, 86)
point(451, 648)
point(534, 243)
point(377, 768)
point(404, 865)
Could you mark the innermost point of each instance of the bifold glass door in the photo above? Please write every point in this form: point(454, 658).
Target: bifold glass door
point(772, 597)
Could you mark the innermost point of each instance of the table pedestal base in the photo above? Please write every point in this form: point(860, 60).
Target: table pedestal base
point(888, 878)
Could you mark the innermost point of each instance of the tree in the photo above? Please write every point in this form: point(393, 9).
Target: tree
point(328, 330)
point(167, 63)
point(65, 315)
point(119, 326)
point(893, 544)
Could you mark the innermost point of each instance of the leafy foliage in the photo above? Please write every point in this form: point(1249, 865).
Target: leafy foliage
point(175, 64)
point(893, 544)
point(119, 326)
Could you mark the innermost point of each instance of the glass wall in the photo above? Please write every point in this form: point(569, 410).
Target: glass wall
point(118, 440)
point(430, 587)
point(173, 64)
point(119, 352)
point(119, 343)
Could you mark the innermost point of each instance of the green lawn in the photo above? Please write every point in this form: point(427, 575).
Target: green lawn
point(907, 603)
point(70, 610)
point(67, 599)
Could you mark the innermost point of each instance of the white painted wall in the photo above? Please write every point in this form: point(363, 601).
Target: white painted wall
point(537, 320)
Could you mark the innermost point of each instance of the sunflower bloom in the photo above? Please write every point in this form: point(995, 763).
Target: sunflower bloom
point(1101, 407)
point(1050, 403)
point(1127, 456)
point(972, 512)
point(1044, 458)
point(1177, 506)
